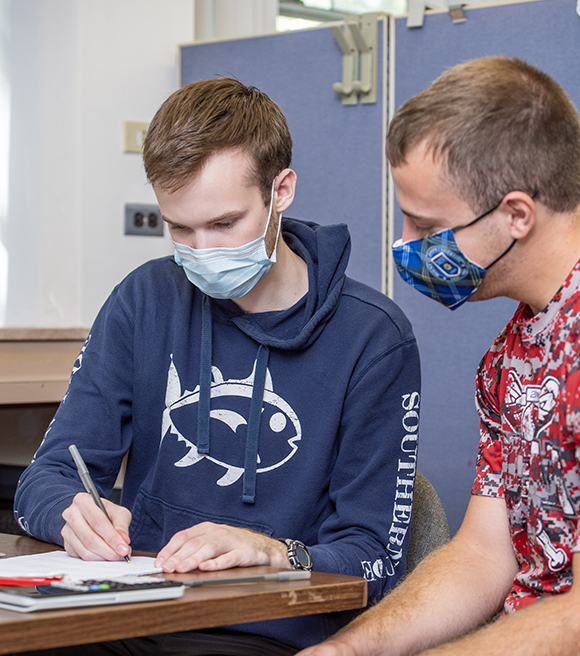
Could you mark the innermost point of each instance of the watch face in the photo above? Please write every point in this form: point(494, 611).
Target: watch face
point(302, 557)
point(298, 554)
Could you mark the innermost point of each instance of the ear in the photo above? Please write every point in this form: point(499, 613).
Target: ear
point(284, 189)
point(520, 211)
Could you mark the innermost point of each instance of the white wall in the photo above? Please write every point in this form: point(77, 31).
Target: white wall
point(70, 72)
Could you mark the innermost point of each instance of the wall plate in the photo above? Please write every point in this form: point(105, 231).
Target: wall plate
point(142, 219)
point(134, 133)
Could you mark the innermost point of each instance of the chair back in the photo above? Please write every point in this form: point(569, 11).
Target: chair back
point(429, 526)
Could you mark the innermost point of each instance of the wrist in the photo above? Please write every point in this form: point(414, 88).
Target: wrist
point(297, 554)
point(279, 555)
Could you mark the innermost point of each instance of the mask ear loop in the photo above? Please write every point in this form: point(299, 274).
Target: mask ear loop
point(481, 216)
point(508, 249)
point(273, 256)
point(478, 218)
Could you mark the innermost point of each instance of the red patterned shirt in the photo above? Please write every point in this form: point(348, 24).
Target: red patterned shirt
point(528, 398)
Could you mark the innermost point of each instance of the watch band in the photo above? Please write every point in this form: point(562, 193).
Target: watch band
point(298, 554)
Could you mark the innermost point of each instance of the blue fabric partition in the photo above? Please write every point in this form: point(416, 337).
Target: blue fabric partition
point(545, 33)
point(338, 150)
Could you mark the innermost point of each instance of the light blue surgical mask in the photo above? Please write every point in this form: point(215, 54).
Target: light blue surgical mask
point(227, 273)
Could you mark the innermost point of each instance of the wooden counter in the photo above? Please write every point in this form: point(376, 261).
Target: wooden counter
point(35, 363)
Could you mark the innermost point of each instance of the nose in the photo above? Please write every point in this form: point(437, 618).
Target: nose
point(195, 240)
point(198, 240)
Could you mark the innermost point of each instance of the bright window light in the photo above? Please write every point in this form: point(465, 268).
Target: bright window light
point(300, 14)
point(286, 23)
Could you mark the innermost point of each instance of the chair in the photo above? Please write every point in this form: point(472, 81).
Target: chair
point(429, 526)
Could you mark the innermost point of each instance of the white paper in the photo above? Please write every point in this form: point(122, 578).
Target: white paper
point(56, 563)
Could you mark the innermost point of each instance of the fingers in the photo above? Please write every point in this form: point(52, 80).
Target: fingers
point(209, 546)
point(120, 518)
point(89, 535)
point(189, 548)
point(224, 561)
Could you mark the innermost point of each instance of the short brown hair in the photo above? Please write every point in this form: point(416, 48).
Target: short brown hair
point(209, 116)
point(499, 125)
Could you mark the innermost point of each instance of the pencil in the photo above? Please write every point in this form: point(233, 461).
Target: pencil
point(88, 482)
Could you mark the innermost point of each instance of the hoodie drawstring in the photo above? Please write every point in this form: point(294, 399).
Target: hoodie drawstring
point(204, 404)
point(204, 379)
point(254, 421)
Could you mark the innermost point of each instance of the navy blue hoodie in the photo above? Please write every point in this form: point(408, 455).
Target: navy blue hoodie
point(299, 423)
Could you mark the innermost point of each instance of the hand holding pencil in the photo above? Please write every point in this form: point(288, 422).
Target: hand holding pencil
point(95, 528)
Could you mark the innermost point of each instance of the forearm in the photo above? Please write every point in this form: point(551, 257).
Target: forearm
point(434, 605)
point(368, 533)
point(40, 514)
point(546, 627)
point(359, 553)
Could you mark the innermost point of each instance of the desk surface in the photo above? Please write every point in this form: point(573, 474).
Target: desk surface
point(199, 608)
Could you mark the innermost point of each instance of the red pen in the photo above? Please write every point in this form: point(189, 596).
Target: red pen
point(28, 580)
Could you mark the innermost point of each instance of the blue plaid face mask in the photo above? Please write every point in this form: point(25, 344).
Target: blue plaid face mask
point(436, 267)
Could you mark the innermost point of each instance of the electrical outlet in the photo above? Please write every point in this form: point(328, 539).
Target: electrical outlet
point(141, 219)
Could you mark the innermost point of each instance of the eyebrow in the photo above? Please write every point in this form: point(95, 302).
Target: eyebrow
point(417, 217)
point(218, 219)
point(164, 218)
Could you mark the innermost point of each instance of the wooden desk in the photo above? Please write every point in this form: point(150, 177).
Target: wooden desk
point(199, 608)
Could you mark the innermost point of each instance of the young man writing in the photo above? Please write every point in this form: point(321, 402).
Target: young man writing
point(486, 164)
point(259, 393)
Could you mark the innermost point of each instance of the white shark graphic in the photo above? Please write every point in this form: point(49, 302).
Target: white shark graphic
point(175, 398)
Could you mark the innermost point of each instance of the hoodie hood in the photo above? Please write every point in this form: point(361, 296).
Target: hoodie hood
point(326, 250)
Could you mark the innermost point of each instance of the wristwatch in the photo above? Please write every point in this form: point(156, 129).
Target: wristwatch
point(298, 554)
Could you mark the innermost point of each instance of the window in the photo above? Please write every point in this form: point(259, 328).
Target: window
point(298, 14)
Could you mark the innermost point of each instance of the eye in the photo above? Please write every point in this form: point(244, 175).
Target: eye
point(418, 229)
point(225, 224)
